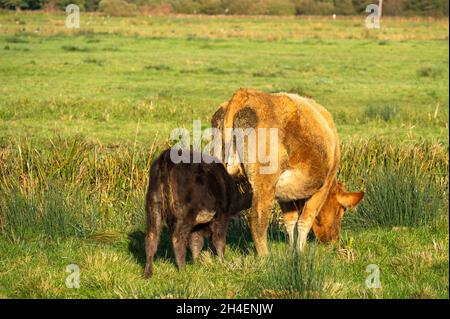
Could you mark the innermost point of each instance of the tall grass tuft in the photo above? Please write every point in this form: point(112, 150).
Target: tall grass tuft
point(71, 188)
point(289, 274)
point(429, 71)
point(362, 158)
point(398, 198)
point(74, 48)
point(53, 213)
point(16, 39)
point(385, 112)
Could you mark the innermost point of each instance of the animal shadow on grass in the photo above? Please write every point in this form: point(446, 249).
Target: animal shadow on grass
point(239, 236)
point(238, 239)
point(136, 246)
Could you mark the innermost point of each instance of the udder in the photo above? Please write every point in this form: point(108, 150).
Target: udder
point(296, 184)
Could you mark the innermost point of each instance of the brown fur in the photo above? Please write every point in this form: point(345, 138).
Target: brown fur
point(308, 161)
point(195, 200)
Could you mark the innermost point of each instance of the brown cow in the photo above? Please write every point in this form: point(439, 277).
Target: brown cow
point(307, 156)
point(195, 200)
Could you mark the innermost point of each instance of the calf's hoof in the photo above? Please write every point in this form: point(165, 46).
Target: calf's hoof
point(146, 276)
point(147, 273)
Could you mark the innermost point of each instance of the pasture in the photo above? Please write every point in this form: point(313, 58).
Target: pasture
point(83, 113)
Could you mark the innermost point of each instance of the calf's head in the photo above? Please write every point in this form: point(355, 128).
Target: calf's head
point(327, 224)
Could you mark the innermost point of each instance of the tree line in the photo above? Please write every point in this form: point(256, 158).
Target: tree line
point(437, 8)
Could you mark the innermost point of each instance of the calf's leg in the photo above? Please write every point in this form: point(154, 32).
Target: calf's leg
point(219, 228)
point(180, 237)
point(196, 243)
point(152, 237)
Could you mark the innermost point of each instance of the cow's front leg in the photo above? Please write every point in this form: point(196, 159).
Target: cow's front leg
point(308, 215)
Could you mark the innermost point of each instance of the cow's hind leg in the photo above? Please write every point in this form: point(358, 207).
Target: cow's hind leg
point(259, 218)
point(152, 237)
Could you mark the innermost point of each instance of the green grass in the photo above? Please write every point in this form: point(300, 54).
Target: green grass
point(83, 113)
point(107, 84)
point(76, 202)
point(413, 264)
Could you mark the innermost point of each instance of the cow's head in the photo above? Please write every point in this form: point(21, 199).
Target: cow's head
point(327, 224)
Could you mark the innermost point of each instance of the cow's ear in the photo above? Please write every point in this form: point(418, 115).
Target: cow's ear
point(349, 200)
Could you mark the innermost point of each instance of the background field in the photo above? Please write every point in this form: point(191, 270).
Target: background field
point(82, 113)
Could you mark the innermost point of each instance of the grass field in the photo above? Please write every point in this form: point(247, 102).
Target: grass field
point(83, 112)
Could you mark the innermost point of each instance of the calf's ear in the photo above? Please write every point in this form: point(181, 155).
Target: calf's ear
point(349, 200)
